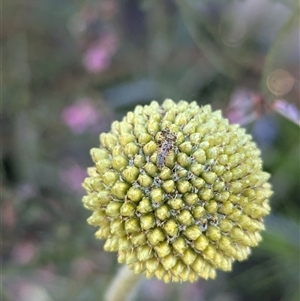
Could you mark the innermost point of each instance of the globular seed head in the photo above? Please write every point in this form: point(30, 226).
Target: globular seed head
point(177, 191)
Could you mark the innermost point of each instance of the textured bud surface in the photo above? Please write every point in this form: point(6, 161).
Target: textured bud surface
point(177, 191)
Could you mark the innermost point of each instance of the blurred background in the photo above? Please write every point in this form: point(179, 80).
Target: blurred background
point(70, 68)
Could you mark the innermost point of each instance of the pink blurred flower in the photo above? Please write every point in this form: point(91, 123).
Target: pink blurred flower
point(24, 252)
point(288, 110)
point(193, 292)
point(96, 59)
point(155, 289)
point(24, 290)
point(72, 177)
point(82, 268)
point(98, 56)
point(244, 107)
point(80, 116)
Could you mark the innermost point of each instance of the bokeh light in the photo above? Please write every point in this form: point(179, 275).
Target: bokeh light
point(280, 82)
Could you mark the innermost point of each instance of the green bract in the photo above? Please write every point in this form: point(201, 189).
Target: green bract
point(198, 210)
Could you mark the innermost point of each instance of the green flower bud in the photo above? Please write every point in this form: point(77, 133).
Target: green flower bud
point(185, 217)
point(131, 149)
point(171, 228)
point(98, 154)
point(134, 194)
point(110, 178)
point(126, 138)
point(162, 213)
point(120, 189)
point(168, 186)
point(145, 180)
point(192, 232)
point(176, 204)
point(148, 221)
point(177, 191)
point(144, 206)
point(119, 162)
point(128, 209)
point(155, 236)
point(130, 174)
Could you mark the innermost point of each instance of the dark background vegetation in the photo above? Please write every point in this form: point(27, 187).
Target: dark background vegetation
point(72, 67)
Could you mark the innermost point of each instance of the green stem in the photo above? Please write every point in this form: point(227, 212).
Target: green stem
point(122, 285)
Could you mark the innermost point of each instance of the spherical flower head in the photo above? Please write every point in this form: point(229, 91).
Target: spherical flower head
point(177, 191)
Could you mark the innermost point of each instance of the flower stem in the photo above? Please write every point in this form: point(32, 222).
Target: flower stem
point(122, 285)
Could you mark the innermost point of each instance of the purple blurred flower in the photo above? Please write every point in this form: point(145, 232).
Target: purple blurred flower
point(24, 252)
point(98, 56)
point(81, 116)
point(72, 177)
point(240, 108)
point(26, 190)
point(193, 292)
point(155, 289)
point(288, 110)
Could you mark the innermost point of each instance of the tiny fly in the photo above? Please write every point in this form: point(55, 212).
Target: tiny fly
point(165, 145)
